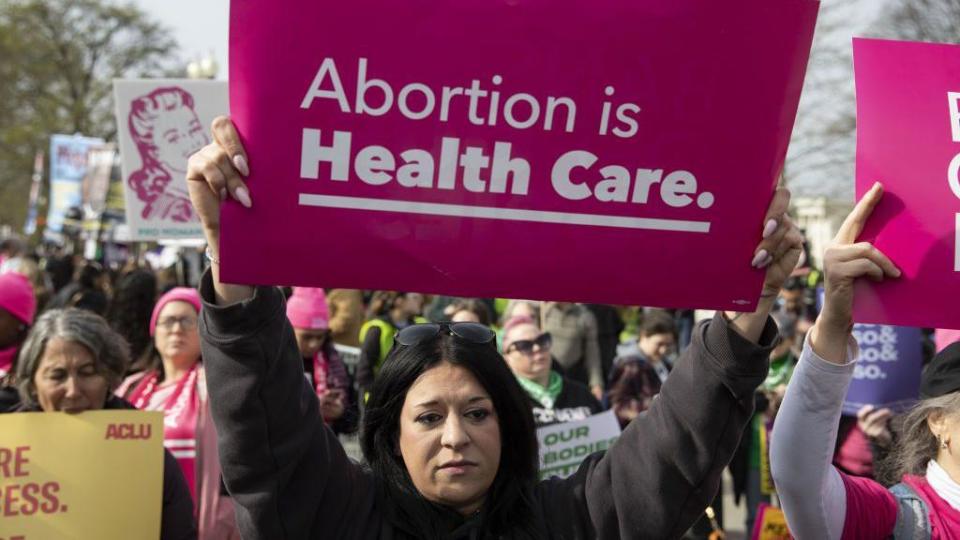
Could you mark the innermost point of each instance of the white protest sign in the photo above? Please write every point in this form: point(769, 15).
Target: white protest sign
point(160, 124)
point(564, 446)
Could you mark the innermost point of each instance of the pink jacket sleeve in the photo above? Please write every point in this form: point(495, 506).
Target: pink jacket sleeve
point(871, 509)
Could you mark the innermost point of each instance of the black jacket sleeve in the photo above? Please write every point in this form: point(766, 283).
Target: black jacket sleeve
point(658, 478)
point(287, 472)
point(176, 520)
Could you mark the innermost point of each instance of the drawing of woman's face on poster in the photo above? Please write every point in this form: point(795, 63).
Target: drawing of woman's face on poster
point(178, 135)
point(166, 130)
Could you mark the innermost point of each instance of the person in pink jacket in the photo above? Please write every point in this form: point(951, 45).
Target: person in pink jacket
point(820, 502)
point(176, 385)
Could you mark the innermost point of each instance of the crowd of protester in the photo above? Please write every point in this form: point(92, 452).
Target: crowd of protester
point(76, 335)
point(571, 360)
point(144, 329)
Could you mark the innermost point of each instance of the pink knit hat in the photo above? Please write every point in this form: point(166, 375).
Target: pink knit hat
point(513, 322)
point(16, 296)
point(307, 309)
point(177, 294)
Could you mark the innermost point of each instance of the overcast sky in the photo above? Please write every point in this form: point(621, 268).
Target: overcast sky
point(199, 26)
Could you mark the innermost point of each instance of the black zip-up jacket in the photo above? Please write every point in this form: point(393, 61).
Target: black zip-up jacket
point(290, 478)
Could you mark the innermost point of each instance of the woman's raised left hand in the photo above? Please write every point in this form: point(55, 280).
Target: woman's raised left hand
point(778, 252)
point(781, 244)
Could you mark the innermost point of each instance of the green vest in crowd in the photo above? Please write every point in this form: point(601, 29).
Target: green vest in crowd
point(387, 331)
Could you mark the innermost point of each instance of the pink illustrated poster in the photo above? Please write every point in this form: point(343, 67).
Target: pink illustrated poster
point(160, 124)
point(908, 138)
point(606, 151)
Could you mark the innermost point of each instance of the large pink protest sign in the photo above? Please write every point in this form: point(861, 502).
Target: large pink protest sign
point(583, 150)
point(908, 137)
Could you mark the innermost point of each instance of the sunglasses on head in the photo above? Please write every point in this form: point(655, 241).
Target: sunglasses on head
point(469, 332)
point(525, 346)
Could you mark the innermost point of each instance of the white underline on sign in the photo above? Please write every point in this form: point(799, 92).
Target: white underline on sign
point(506, 214)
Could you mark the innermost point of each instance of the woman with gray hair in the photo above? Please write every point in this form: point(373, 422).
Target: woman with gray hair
point(70, 362)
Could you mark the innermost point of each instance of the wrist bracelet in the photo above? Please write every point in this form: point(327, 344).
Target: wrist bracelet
point(771, 294)
point(209, 255)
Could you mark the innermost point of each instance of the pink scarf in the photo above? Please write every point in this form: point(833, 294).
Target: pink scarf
point(944, 519)
point(180, 414)
point(329, 372)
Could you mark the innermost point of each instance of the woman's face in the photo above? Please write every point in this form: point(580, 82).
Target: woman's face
point(657, 346)
point(411, 304)
point(177, 337)
point(177, 134)
point(450, 438)
point(310, 341)
point(533, 365)
point(68, 380)
point(947, 427)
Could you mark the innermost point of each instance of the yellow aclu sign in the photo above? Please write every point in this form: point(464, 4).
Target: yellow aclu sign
point(771, 524)
point(97, 474)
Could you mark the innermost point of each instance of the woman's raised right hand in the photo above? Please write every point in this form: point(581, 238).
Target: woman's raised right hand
point(845, 261)
point(214, 173)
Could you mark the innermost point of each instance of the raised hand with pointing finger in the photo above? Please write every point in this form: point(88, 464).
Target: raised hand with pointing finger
point(845, 261)
point(820, 501)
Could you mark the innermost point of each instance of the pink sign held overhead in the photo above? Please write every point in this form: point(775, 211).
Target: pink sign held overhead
point(908, 138)
point(607, 151)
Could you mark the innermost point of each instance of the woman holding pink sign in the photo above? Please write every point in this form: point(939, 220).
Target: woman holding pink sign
point(448, 436)
point(821, 502)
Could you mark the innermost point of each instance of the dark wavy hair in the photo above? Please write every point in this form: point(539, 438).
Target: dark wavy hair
point(508, 506)
point(129, 311)
point(633, 378)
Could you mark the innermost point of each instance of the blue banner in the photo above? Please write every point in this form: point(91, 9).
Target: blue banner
point(68, 165)
point(888, 373)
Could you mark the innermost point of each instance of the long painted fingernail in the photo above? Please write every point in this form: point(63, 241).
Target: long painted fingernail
point(242, 195)
point(758, 258)
point(240, 163)
point(223, 194)
point(766, 262)
point(770, 228)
